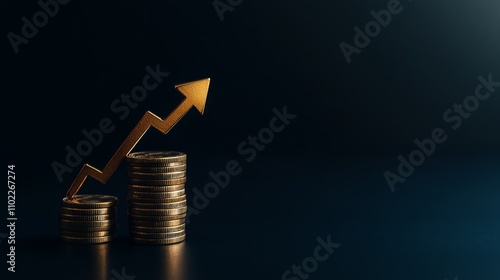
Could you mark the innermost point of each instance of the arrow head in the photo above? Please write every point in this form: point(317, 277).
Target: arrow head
point(196, 93)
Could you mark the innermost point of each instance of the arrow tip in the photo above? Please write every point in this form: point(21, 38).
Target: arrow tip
point(196, 92)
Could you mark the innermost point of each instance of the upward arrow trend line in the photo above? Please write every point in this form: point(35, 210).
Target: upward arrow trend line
point(196, 95)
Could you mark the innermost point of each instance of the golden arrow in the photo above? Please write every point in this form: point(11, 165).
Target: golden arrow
point(196, 95)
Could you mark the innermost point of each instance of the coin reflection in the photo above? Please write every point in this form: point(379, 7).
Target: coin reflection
point(92, 260)
point(173, 262)
point(100, 253)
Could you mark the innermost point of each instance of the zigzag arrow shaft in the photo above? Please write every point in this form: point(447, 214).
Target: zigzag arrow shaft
point(195, 93)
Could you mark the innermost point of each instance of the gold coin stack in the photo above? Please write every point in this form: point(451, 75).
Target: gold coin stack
point(88, 218)
point(157, 204)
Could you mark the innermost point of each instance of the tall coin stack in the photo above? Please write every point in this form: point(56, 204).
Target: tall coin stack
point(156, 197)
point(88, 218)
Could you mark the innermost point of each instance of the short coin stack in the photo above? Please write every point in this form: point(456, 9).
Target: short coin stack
point(157, 200)
point(88, 218)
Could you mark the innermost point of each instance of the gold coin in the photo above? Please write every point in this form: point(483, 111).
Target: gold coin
point(83, 224)
point(144, 182)
point(156, 195)
point(86, 218)
point(153, 224)
point(156, 218)
point(87, 240)
point(158, 229)
point(87, 234)
point(157, 212)
point(165, 169)
point(155, 164)
point(90, 201)
point(90, 211)
point(156, 200)
point(162, 241)
point(170, 188)
point(157, 205)
point(158, 235)
point(156, 156)
point(157, 176)
point(87, 229)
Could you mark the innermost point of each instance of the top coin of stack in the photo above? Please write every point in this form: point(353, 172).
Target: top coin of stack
point(88, 218)
point(157, 199)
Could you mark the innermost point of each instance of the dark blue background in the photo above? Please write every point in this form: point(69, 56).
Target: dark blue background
point(323, 175)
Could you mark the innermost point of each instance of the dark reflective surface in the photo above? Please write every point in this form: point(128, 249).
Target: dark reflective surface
point(438, 225)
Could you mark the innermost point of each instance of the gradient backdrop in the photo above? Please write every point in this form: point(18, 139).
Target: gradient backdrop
point(321, 176)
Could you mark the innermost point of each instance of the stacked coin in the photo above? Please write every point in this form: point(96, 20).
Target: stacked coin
point(88, 218)
point(156, 197)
